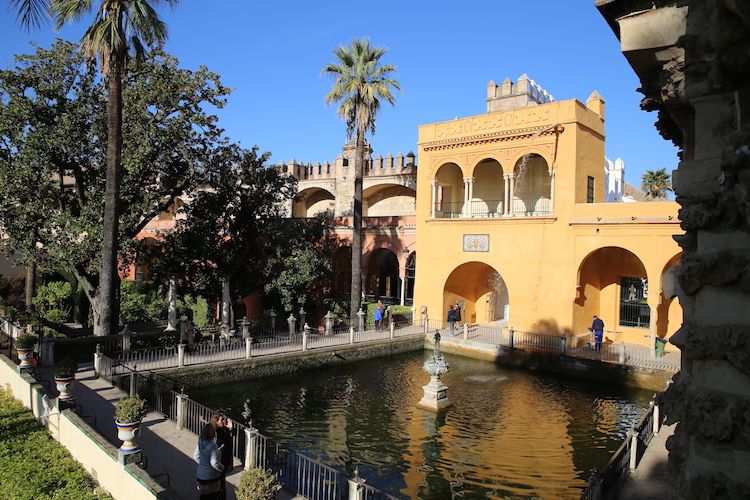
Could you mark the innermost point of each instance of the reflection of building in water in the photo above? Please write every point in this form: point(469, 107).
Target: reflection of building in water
point(511, 209)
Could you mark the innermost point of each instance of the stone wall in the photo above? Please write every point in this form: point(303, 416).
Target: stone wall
point(693, 59)
point(268, 366)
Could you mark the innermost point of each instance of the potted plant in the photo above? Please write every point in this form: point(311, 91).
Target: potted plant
point(65, 374)
point(257, 483)
point(129, 412)
point(25, 344)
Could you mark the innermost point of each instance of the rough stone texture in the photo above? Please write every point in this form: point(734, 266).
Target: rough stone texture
point(701, 88)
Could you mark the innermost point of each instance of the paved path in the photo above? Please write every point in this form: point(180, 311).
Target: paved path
point(651, 479)
point(168, 451)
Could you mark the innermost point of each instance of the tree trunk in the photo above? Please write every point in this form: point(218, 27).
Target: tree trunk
point(356, 288)
point(109, 279)
point(30, 285)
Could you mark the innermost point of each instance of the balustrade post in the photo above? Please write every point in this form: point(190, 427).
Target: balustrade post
point(304, 339)
point(126, 335)
point(329, 323)
point(622, 353)
point(248, 348)
point(510, 338)
point(273, 315)
point(633, 435)
point(351, 335)
point(360, 320)
point(413, 315)
point(466, 331)
point(251, 447)
point(562, 345)
point(133, 389)
point(182, 400)
point(98, 360)
point(426, 323)
point(292, 324)
point(180, 355)
point(393, 329)
point(356, 490)
point(657, 418)
point(595, 488)
point(302, 317)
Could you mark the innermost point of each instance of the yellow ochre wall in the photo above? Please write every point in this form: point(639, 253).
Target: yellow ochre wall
point(559, 268)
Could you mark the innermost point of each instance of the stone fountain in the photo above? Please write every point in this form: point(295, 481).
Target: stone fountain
point(435, 392)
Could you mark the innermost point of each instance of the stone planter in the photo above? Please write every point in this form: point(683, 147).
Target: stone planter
point(64, 385)
point(24, 355)
point(127, 432)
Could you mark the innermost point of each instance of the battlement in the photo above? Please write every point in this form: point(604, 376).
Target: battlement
point(511, 95)
point(378, 166)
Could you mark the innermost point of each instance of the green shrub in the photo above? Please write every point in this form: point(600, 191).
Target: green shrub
point(257, 484)
point(34, 465)
point(26, 341)
point(130, 409)
point(142, 302)
point(65, 368)
point(198, 307)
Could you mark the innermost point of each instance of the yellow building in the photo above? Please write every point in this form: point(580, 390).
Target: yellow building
point(511, 222)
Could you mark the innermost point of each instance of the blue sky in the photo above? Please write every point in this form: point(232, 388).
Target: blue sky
point(272, 53)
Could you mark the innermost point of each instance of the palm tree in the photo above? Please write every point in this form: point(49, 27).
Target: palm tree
point(360, 83)
point(656, 184)
point(118, 28)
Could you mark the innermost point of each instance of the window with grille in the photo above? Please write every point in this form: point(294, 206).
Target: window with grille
point(590, 190)
point(634, 309)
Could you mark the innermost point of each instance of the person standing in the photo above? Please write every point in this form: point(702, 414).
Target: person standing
point(225, 433)
point(184, 332)
point(458, 312)
point(208, 456)
point(598, 328)
point(378, 316)
point(452, 320)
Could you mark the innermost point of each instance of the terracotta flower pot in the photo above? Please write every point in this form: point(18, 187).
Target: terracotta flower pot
point(127, 432)
point(64, 384)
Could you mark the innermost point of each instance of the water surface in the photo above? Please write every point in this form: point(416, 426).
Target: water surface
point(509, 434)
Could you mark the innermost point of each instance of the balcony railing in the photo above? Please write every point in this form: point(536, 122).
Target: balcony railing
point(478, 209)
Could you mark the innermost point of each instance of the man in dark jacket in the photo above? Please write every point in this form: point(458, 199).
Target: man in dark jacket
point(598, 328)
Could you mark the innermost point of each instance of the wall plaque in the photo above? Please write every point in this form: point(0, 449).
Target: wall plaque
point(476, 243)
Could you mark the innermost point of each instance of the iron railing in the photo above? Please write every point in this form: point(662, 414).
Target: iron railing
point(606, 483)
point(299, 473)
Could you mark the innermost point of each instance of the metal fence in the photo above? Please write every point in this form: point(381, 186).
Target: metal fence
point(299, 473)
point(606, 483)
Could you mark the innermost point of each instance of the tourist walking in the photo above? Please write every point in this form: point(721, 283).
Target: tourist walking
point(598, 328)
point(378, 318)
point(208, 456)
point(225, 433)
point(452, 320)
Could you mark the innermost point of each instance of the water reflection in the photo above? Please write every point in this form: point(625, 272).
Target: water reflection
point(510, 434)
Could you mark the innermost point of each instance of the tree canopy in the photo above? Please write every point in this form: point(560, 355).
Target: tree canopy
point(53, 142)
point(238, 226)
point(361, 82)
point(657, 184)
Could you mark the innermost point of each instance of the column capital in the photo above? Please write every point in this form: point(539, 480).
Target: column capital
point(434, 182)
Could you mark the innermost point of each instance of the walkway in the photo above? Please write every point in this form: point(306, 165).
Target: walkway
point(168, 451)
point(651, 479)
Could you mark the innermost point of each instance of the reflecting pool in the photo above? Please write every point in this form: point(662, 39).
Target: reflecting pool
point(509, 434)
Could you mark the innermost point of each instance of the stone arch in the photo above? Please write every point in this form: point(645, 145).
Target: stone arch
point(669, 310)
point(389, 200)
point(488, 190)
point(341, 280)
point(481, 291)
point(382, 281)
point(313, 201)
point(532, 185)
point(605, 278)
point(450, 191)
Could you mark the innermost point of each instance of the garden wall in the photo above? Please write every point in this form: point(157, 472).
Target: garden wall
point(96, 455)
